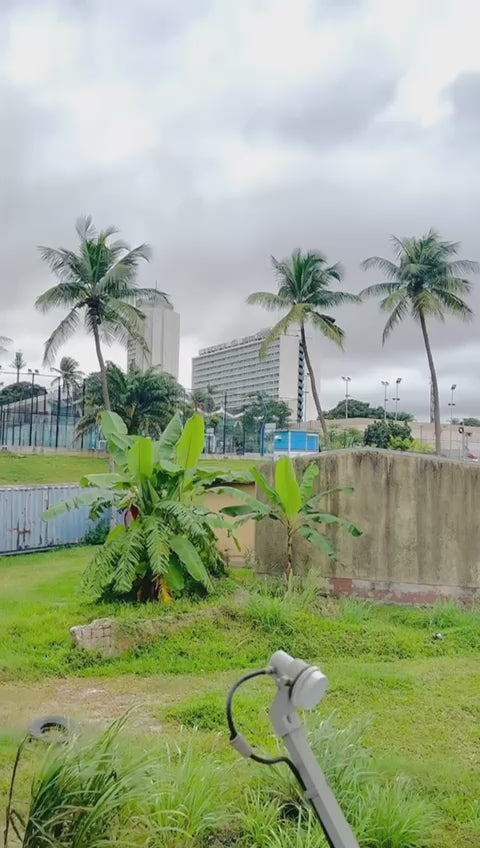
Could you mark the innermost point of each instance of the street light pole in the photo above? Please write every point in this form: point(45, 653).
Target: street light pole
point(346, 380)
point(33, 373)
point(385, 385)
point(396, 398)
point(451, 405)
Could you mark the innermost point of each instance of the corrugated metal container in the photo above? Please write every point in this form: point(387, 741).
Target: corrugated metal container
point(21, 525)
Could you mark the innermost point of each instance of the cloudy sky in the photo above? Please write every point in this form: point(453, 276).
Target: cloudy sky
point(223, 132)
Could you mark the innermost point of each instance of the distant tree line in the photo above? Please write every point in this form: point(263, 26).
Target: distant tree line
point(362, 409)
point(20, 391)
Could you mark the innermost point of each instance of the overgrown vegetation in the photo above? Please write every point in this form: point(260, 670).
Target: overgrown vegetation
point(297, 507)
point(166, 538)
point(91, 794)
point(419, 695)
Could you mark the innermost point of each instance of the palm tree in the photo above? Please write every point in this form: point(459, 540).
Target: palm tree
point(427, 281)
point(304, 281)
point(69, 376)
point(18, 363)
point(145, 400)
point(98, 281)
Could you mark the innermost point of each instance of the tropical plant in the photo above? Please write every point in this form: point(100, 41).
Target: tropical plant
point(304, 281)
point(348, 438)
point(381, 433)
point(426, 282)
point(98, 281)
point(267, 409)
point(69, 376)
point(18, 363)
point(167, 536)
point(145, 400)
point(295, 506)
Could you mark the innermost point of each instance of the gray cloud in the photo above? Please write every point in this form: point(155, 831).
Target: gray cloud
point(348, 174)
point(322, 115)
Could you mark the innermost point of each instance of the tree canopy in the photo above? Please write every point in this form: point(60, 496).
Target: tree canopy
point(145, 400)
point(362, 409)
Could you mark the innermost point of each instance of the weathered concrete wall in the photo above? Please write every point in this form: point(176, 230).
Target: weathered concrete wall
point(245, 535)
point(420, 521)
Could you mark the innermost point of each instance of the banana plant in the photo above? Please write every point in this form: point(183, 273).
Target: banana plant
point(295, 505)
point(166, 535)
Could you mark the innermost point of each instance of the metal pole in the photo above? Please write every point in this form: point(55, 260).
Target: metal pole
point(396, 398)
point(451, 405)
point(224, 423)
point(31, 411)
point(57, 428)
point(83, 410)
point(346, 381)
point(385, 385)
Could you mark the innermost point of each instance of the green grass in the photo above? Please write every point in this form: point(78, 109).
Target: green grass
point(418, 698)
point(38, 469)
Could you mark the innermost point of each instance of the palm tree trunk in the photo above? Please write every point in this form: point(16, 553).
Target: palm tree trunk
point(433, 376)
point(106, 403)
point(103, 370)
point(313, 384)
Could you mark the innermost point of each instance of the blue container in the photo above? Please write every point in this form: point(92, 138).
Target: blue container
point(296, 441)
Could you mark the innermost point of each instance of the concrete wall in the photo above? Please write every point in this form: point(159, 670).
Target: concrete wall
point(420, 522)
point(245, 535)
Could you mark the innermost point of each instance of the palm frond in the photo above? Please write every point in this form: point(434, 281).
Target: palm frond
point(327, 326)
point(294, 316)
point(63, 294)
point(398, 314)
point(333, 298)
point(270, 301)
point(452, 303)
point(60, 335)
point(426, 303)
point(388, 268)
point(150, 296)
point(85, 229)
point(464, 266)
point(380, 290)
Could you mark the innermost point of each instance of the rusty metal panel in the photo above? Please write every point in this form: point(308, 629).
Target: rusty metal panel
point(21, 525)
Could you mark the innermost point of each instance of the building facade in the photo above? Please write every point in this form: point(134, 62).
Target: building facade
point(162, 335)
point(235, 369)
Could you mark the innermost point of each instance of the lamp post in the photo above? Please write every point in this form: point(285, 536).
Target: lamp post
point(396, 398)
point(346, 380)
point(452, 402)
point(385, 385)
point(451, 405)
point(33, 375)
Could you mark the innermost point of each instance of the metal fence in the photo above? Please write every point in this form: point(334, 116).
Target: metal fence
point(23, 427)
point(21, 525)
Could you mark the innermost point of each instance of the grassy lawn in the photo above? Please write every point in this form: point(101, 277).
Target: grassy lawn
point(417, 698)
point(37, 469)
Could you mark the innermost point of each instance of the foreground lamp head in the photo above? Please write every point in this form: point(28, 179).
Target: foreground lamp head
point(306, 682)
